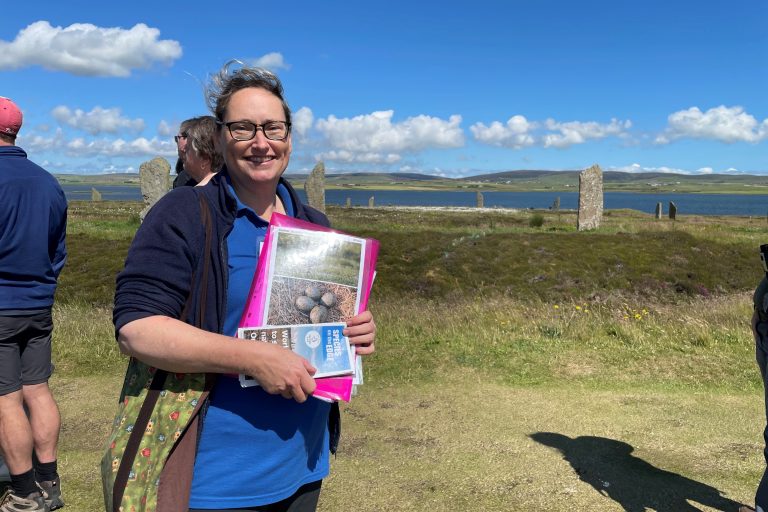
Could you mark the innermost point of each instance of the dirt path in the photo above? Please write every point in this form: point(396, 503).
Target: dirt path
point(474, 446)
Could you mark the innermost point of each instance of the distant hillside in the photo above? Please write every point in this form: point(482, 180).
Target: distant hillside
point(616, 177)
point(520, 180)
point(99, 179)
point(370, 177)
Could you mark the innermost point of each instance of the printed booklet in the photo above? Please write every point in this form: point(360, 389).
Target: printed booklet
point(312, 275)
point(323, 345)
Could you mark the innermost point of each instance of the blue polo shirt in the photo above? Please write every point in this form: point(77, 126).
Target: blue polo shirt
point(255, 448)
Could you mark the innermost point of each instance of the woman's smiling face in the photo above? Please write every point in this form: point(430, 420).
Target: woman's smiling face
point(259, 161)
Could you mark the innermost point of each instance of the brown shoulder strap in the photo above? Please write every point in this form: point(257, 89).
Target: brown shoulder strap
point(158, 380)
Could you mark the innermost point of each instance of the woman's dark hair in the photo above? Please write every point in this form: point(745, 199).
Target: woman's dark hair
point(234, 76)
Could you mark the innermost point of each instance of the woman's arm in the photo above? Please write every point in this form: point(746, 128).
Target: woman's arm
point(175, 346)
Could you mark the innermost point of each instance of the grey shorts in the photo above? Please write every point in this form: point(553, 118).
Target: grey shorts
point(25, 350)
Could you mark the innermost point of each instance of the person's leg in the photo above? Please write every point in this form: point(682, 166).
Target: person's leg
point(44, 419)
point(36, 369)
point(760, 330)
point(16, 439)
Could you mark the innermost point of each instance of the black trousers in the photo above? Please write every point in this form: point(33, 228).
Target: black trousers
point(303, 500)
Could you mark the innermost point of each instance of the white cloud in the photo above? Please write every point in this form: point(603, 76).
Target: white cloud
point(140, 147)
point(637, 168)
point(374, 138)
point(576, 132)
point(358, 157)
point(164, 129)
point(725, 124)
point(99, 120)
point(87, 50)
point(514, 134)
point(112, 169)
point(34, 143)
point(302, 121)
point(82, 148)
point(272, 61)
point(518, 132)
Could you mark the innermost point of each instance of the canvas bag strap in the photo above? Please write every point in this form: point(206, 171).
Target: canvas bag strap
point(158, 380)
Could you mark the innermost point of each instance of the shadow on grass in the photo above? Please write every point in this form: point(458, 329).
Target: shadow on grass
point(611, 469)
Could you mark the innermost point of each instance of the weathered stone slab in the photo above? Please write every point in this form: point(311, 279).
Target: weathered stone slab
point(370, 202)
point(659, 210)
point(315, 187)
point(155, 177)
point(590, 199)
point(555, 204)
point(672, 210)
point(480, 201)
point(95, 195)
point(349, 202)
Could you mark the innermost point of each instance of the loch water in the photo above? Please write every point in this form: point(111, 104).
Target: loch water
point(693, 204)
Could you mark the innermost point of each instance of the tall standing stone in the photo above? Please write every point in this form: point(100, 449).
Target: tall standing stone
point(672, 210)
point(480, 201)
point(315, 187)
point(95, 194)
point(590, 199)
point(659, 210)
point(349, 202)
point(155, 177)
point(370, 202)
point(555, 204)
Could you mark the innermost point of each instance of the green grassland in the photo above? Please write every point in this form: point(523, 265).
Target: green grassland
point(511, 181)
point(518, 366)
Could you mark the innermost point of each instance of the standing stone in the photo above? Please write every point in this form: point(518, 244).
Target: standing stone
point(479, 199)
point(659, 210)
point(590, 199)
point(95, 195)
point(556, 204)
point(155, 177)
point(349, 202)
point(672, 210)
point(315, 187)
point(370, 202)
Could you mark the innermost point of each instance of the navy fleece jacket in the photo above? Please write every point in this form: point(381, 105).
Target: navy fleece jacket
point(33, 224)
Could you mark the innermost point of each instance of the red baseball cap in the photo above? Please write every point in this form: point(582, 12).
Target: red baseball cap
point(10, 117)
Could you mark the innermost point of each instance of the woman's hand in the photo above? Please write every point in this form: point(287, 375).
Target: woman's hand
point(361, 331)
point(281, 372)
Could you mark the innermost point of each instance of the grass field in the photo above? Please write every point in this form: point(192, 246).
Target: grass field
point(517, 368)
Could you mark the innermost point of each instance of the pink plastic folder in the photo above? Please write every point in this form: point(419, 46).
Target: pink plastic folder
point(254, 314)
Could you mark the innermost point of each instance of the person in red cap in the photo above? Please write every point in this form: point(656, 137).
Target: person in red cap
point(33, 220)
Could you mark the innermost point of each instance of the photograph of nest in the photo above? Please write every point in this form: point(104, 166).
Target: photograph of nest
point(327, 257)
point(301, 301)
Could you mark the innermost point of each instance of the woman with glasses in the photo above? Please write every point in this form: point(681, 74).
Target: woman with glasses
point(259, 448)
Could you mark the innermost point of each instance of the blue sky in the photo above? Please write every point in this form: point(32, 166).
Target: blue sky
point(447, 88)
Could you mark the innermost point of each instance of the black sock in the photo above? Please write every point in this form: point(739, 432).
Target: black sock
point(46, 471)
point(24, 484)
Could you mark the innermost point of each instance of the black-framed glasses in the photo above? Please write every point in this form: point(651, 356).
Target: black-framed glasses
point(246, 130)
point(180, 136)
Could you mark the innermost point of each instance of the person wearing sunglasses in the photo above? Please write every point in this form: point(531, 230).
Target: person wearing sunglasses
point(182, 179)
